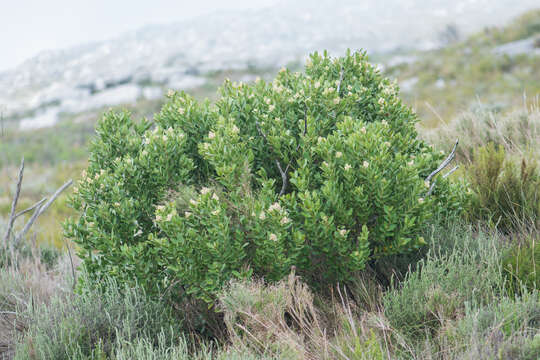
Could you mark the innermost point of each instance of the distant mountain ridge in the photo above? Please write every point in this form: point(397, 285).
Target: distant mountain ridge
point(140, 63)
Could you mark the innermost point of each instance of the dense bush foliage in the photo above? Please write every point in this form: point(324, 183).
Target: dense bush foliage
point(507, 191)
point(319, 170)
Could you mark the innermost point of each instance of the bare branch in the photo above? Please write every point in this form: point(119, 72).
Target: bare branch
point(28, 224)
point(14, 205)
point(20, 213)
point(283, 173)
point(40, 210)
point(444, 163)
point(55, 195)
point(284, 178)
point(305, 123)
point(450, 172)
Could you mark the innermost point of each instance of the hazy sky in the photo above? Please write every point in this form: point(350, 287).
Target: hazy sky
point(30, 26)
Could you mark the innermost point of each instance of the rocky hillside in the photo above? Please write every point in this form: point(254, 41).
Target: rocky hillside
point(143, 63)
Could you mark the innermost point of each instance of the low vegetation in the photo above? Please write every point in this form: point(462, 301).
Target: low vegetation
point(302, 218)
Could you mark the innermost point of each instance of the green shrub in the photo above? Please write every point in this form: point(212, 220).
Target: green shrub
point(507, 194)
point(88, 325)
point(521, 266)
point(319, 170)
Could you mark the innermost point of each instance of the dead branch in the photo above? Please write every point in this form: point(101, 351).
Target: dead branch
point(30, 208)
point(284, 178)
point(40, 209)
point(444, 164)
point(12, 217)
point(55, 195)
point(450, 172)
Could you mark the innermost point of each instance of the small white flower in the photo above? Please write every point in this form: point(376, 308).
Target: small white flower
point(187, 214)
point(339, 154)
point(320, 139)
point(164, 138)
point(285, 220)
point(426, 183)
point(181, 110)
point(144, 153)
point(211, 135)
point(325, 164)
point(336, 101)
point(193, 202)
point(75, 190)
point(170, 93)
point(349, 87)
point(317, 84)
point(381, 101)
point(384, 122)
point(271, 107)
point(420, 200)
point(215, 197)
point(158, 218)
point(138, 233)
point(235, 129)
point(347, 167)
point(363, 129)
point(386, 143)
point(169, 217)
point(267, 101)
point(160, 207)
point(215, 212)
point(365, 164)
point(342, 232)
point(275, 206)
point(262, 216)
point(273, 237)
point(410, 163)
